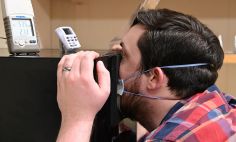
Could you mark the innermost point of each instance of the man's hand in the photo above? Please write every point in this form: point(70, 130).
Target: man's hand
point(79, 96)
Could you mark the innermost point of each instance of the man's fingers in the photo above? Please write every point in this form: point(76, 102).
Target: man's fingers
point(87, 64)
point(67, 66)
point(77, 63)
point(60, 67)
point(104, 80)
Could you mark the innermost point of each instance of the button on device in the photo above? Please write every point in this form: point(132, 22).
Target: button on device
point(21, 42)
point(16, 42)
point(32, 41)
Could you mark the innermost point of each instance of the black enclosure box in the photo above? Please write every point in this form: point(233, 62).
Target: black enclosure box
point(28, 105)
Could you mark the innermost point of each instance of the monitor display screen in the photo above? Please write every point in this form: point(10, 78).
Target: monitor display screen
point(22, 27)
point(67, 31)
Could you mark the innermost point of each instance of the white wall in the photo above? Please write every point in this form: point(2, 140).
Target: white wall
point(95, 22)
point(42, 11)
point(2, 30)
point(219, 15)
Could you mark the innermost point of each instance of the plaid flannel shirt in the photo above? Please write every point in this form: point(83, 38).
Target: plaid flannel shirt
point(205, 117)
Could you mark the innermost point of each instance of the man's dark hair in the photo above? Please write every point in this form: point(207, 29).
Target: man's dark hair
point(173, 38)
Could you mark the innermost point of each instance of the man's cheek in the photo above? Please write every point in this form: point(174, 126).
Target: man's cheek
point(122, 71)
point(127, 105)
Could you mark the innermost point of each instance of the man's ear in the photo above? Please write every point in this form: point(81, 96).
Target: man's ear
point(156, 78)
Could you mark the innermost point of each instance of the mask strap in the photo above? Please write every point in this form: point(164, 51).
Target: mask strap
point(150, 97)
point(183, 66)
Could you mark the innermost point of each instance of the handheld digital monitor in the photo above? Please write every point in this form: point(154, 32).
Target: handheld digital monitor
point(19, 26)
point(68, 39)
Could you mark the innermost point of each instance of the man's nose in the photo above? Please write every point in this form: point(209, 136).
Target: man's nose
point(116, 47)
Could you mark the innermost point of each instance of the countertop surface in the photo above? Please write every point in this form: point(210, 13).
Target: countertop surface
point(229, 57)
point(44, 53)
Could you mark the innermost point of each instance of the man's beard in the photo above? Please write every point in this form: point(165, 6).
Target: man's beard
point(131, 104)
